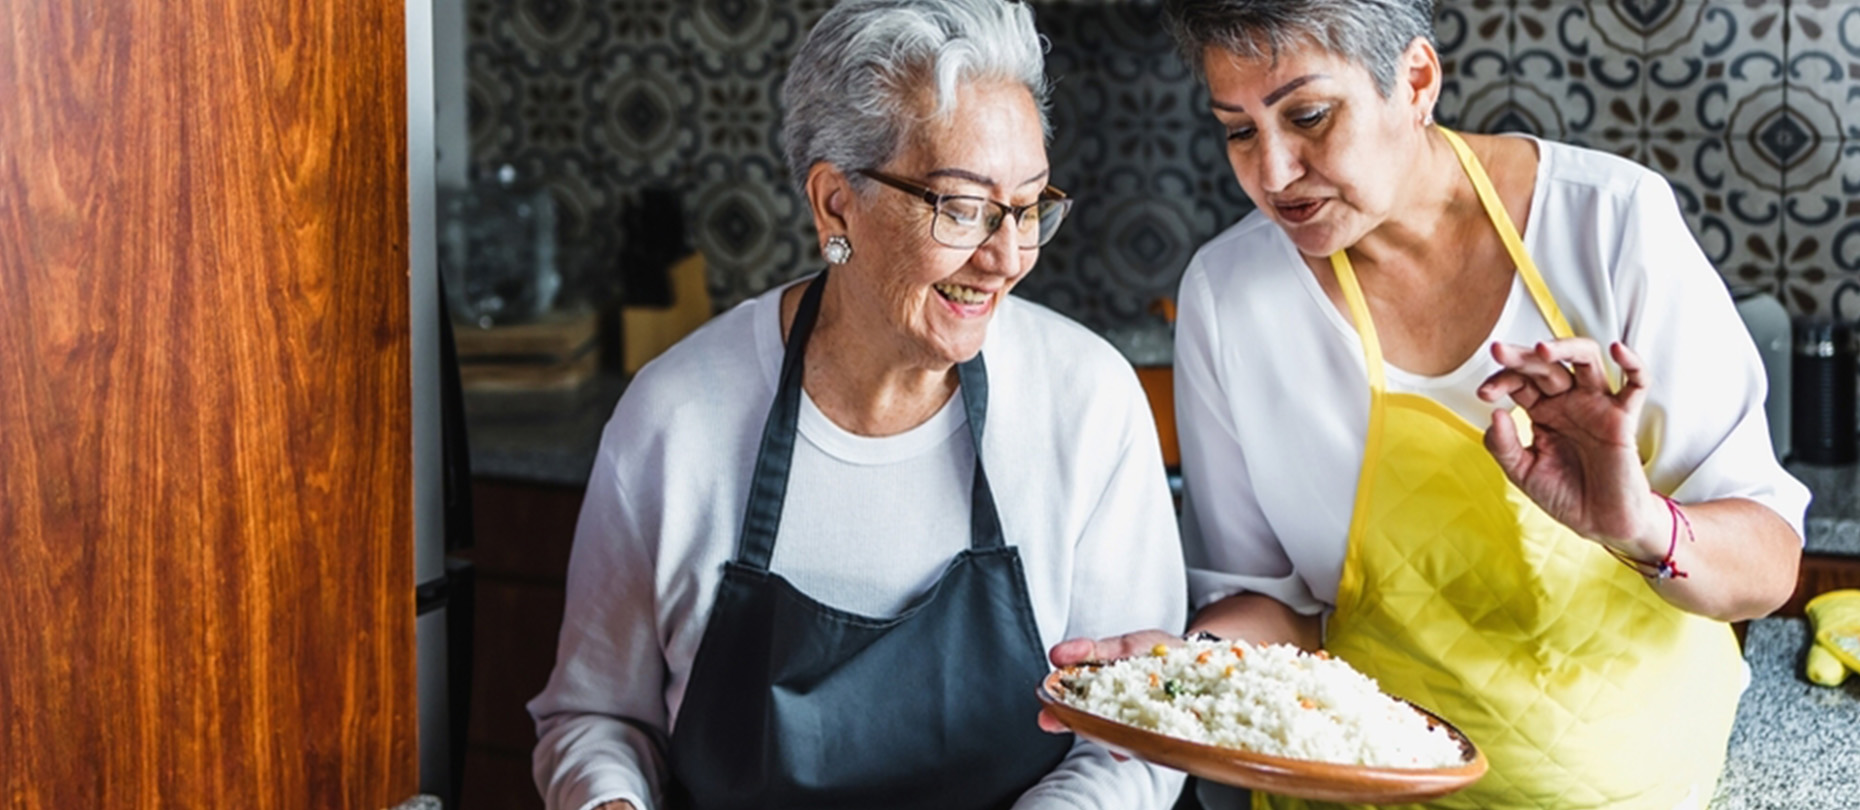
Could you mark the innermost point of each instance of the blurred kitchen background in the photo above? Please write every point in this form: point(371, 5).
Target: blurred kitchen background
point(610, 176)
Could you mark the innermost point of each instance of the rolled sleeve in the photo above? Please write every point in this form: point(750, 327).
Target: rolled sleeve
point(1704, 426)
point(1228, 542)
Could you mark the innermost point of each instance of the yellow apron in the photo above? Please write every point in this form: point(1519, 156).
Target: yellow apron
point(1583, 687)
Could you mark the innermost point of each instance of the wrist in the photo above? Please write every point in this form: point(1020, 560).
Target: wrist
point(1652, 531)
point(1660, 563)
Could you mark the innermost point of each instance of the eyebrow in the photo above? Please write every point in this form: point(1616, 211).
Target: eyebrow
point(962, 174)
point(1274, 96)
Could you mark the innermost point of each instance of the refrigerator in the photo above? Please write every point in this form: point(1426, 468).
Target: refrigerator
point(443, 583)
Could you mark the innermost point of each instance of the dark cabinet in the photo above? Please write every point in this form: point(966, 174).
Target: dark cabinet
point(523, 536)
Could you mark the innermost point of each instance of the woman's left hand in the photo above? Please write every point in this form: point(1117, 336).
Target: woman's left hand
point(1583, 465)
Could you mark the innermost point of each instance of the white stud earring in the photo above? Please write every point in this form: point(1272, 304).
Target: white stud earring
point(838, 249)
point(1427, 119)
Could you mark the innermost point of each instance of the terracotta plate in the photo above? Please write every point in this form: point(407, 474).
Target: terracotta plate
point(1327, 781)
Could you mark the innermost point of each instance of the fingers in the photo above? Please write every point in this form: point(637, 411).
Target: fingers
point(1072, 652)
point(1511, 384)
point(1633, 375)
point(1051, 724)
point(1501, 440)
point(1550, 369)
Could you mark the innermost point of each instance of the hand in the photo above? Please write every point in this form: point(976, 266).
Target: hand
point(1072, 652)
point(1583, 466)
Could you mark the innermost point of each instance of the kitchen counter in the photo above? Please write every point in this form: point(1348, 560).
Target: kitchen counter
point(1834, 516)
point(553, 442)
point(1796, 746)
point(540, 440)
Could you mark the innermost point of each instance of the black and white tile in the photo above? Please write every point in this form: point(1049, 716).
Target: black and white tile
point(1750, 107)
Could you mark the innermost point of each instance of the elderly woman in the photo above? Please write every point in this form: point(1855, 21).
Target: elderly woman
point(829, 536)
point(1403, 439)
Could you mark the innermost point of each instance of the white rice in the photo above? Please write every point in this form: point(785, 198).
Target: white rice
point(1275, 699)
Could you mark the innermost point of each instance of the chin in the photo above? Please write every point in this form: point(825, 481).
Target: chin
point(954, 352)
point(1319, 242)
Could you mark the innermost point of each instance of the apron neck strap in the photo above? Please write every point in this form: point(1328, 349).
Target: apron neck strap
point(768, 487)
point(984, 520)
point(1507, 233)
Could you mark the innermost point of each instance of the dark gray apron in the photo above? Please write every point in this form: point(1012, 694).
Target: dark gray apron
point(794, 704)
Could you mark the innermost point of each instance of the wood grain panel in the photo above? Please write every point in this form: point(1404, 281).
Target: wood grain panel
point(498, 780)
point(524, 532)
point(1819, 574)
point(1159, 385)
point(205, 470)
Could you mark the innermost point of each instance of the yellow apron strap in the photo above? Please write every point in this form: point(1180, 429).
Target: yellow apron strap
point(1359, 312)
point(1351, 579)
point(1508, 233)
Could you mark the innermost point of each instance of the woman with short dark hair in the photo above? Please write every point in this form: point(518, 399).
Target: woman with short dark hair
point(1555, 576)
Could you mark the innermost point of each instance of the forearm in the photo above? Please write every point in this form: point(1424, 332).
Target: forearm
point(1091, 778)
point(1260, 619)
point(1739, 560)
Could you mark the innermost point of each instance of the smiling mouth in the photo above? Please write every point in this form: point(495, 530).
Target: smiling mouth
point(1300, 211)
point(967, 296)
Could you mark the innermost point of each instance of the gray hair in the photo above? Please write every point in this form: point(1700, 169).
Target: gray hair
point(1371, 33)
point(849, 93)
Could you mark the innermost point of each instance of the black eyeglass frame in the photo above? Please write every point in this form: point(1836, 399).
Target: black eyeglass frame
point(935, 199)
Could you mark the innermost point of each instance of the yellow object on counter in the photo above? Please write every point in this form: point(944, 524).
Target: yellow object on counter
point(1822, 668)
point(1835, 618)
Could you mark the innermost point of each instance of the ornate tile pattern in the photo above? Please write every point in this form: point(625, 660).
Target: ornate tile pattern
point(1751, 108)
point(1132, 139)
point(598, 98)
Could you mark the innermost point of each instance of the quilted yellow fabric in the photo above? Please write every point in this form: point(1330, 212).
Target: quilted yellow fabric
point(1582, 686)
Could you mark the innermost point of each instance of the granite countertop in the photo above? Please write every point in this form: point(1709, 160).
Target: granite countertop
point(1796, 746)
point(540, 439)
point(553, 440)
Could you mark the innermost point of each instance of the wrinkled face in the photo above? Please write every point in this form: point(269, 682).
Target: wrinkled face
point(1313, 143)
point(939, 299)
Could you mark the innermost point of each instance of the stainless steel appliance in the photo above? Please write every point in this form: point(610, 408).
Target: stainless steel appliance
point(1768, 323)
point(1826, 371)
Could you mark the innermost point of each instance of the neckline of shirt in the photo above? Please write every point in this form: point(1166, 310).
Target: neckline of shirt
point(1481, 358)
point(831, 439)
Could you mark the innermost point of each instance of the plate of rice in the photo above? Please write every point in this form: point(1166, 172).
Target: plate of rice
point(1266, 717)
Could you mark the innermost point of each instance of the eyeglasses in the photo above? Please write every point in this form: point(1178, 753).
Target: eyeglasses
point(964, 221)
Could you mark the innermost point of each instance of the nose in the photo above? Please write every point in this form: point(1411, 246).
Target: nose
point(1280, 164)
point(1001, 254)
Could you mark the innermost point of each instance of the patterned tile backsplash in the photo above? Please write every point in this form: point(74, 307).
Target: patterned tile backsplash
point(1751, 108)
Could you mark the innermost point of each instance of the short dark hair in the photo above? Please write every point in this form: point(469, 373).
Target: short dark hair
point(1371, 33)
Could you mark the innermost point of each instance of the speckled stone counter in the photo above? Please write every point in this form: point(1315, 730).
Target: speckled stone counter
point(537, 439)
point(1796, 746)
point(1834, 515)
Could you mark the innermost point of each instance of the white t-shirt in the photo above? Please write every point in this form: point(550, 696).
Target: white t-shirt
point(1272, 400)
point(868, 524)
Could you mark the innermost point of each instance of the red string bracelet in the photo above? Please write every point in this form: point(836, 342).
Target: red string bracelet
point(1665, 568)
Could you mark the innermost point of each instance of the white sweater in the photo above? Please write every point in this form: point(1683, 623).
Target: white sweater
point(1272, 399)
point(869, 523)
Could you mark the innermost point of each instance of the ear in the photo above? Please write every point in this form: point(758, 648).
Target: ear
point(829, 194)
point(1419, 75)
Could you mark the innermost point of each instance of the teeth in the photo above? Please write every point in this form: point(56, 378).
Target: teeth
point(961, 294)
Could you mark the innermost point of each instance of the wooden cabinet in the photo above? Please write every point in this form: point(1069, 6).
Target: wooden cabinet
point(523, 536)
point(206, 504)
point(1821, 573)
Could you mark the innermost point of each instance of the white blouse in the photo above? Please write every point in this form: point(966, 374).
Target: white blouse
point(869, 523)
point(1272, 399)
